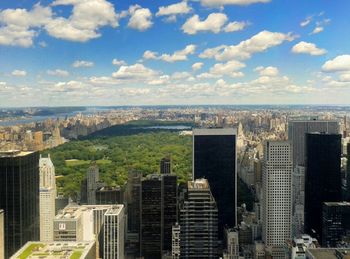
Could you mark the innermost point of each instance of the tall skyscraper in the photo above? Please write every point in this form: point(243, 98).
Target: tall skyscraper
point(92, 179)
point(19, 198)
point(277, 197)
point(214, 158)
point(150, 240)
point(114, 223)
point(323, 178)
point(297, 130)
point(199, 222)
point(47, 198)
point(335, 223)
point(165, 165)
point(2, 232)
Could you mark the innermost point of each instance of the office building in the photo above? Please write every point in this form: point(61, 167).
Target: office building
point(68, 225)
point(175, 245)
point(199, 222)
point(214, 158)
point(92, 178)
point(165, 166)
point(19, 198)
point(323, 178)
point(113, 242)
point(52, 250)
point(2, 232)
point(276, 202)
point(109, 195)
point(335, 223)
point(297, 130)
point(47, 198)
point(60, 203)
point(298, 200)
point(232, 244)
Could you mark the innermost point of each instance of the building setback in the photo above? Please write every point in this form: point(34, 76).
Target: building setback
point(199, 222)
point(214, 158)
point(323, 178)
point(19, 198)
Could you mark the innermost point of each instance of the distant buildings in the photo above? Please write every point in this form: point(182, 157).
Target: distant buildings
point(276, 202)
point(113, 228)
point(47, 198)
point(199, 222)
point(19, 198)
point(335, 223)
point(49, 250)
point(323, 178)
point(214, 158)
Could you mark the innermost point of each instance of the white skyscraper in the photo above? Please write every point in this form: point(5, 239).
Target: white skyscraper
point(47, 198)
point(114, 221)
point(277, 196)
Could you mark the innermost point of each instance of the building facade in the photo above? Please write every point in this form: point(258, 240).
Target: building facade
point(19, 198)
point(276, 202)
point(214, 158)
point(2, 232)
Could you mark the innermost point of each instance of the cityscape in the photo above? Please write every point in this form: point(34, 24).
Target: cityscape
point(177, 129)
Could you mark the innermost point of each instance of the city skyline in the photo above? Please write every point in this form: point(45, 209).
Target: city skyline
point(205, 52)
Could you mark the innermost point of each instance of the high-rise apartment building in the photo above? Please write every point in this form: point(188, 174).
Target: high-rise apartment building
point(19, 198)
point(277, 197)
point(199, 222)
point(297, 130)
point(2, 232)
point(335, 223)
point(47, 198)
point(323, 178)
point(214, 158)
point(113, 241)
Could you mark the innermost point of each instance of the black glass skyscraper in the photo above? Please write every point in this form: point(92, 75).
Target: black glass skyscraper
point(323, 178)
point(214, 158)
point(19, 198)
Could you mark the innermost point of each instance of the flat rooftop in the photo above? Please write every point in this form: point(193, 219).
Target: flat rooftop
point(214, 131)
point(198, 184)
point(53, 250)
point(114, 210)
point(14, 153)
point(69, 213)
point(329, 253)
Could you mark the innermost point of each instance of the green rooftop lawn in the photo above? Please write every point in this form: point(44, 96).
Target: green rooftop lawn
point(29, 250)
point(76, 255)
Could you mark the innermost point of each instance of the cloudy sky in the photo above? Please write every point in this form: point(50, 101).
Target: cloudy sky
point(121, 52)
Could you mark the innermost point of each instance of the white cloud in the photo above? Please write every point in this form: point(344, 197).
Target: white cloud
point(174, 9)
point(118, 62)
point(306, 21)
point(235, 26)
point(82, 63)
point(318, 29)
point(338, 64)
point(84, 22)
point(57, 72)
point(308, 48)
point(42, 44)
point(218, 3)
point(19, 73)
point(180, 55)
point(267, 71)
point(214, 23)
point(245, 49)
point(141, 18)
point(197, 66)
point(135, 72)
point(229, 68)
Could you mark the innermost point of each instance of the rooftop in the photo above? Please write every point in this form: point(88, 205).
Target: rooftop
point(69, 213)
point(115, 210)
point(53, 250)
point(214, 131)
point(198, 184)
point(329, 253)
point(341, 203)
point(14, 153)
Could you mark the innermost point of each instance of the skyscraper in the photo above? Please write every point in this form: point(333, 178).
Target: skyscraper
point(165, 166)
point(276, 198)
point(335, 223)
point(19, 198)
point(199, 222)
point(114, 223)
point(214, 158)
point(297, 130)
point(298, 200)
point(47, 198)
point(92, 179)
point(175, 246)
point(323, 178)
point(2, 232)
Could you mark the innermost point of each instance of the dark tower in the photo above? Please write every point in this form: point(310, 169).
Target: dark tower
point(214, 158)
point(165, 166)
point(19, 198)
point(323, 178)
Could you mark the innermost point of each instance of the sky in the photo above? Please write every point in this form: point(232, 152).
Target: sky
point(109, 52)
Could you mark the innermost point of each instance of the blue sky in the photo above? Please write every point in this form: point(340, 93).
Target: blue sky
point(100, 52)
